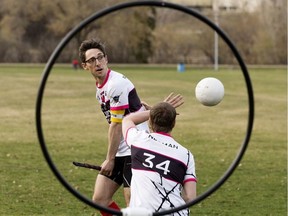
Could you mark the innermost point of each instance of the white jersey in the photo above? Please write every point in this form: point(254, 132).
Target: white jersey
point(118, 93)
point(160, 168)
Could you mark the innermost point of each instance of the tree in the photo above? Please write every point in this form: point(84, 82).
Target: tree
point(30, 31)
point(34, 28)
point(272, 35)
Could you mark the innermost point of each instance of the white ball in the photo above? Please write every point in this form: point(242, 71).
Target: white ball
point(209, 91)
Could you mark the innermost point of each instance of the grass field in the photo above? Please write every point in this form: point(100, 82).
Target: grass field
point(75, 130)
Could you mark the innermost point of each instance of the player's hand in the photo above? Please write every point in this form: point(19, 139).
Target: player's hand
point(174, 100)
point(107, 167)
point(146, 105)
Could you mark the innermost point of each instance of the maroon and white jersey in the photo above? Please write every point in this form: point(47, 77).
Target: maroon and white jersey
point(160, 168)
point(118, 97)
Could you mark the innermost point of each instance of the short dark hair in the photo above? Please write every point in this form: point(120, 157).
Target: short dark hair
point(162, 117)
point(90, 44)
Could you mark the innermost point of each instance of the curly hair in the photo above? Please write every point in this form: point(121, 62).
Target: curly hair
point(90, 44)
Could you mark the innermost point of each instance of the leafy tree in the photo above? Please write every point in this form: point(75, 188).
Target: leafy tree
point(145, 24)
point(30, 31)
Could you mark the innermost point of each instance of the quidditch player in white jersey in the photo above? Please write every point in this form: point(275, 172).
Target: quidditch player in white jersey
point(162, 169)
point(117, 97)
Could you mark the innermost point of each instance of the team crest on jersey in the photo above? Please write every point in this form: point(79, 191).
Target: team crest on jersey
point(116, 98)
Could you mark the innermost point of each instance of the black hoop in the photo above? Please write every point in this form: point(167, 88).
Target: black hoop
point(102, 13)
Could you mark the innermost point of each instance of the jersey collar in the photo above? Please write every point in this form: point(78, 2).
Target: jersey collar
point(105, 81)
point(162, 133)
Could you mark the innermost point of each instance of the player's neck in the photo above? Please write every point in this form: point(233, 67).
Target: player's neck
point(101, 80)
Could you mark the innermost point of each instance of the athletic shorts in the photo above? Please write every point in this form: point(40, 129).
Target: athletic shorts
point(122, 173)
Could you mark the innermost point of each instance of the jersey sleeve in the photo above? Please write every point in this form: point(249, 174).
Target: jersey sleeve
point(190, 173)
point(119, 102)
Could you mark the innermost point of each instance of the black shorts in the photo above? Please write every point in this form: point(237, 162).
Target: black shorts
point(122, 173)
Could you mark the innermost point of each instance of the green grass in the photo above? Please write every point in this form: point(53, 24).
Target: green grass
point(75, 130)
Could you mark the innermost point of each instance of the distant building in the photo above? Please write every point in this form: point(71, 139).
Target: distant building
point(194, 3)
point(237, 5)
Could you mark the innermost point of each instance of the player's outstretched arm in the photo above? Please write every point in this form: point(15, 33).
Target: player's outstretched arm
point(133, 119)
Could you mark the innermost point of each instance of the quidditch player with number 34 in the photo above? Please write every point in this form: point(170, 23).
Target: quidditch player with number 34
point(163, 171)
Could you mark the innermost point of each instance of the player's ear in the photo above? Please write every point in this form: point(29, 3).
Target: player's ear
point(173, 124)
point(150, 125)
point(84, 66)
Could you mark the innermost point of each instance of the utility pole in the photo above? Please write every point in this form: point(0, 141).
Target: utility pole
point(216, 46)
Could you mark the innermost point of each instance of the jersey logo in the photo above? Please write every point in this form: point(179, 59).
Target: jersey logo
point(105, 107)
point(116, 98)
point(102, 96)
